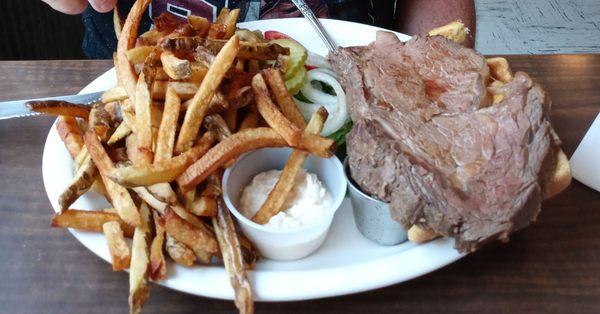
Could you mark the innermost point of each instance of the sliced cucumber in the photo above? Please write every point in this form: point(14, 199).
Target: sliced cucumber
point(295, 83)
point(297, 58)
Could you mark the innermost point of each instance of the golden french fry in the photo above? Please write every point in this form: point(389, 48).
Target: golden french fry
point(128, 113)
point(200, 104)
point(184, 90)
point(117, 246)
point(88, 220)
point(495, 89)
point(59, 108)
point(179, 252)
point(199, 24)
point(499, 69)
point(138, 269)
point(233, 258)
point(285, 183)
point(318, 145)
point(152, 201)
point(250, 51)
point(290, 132)
point(158, 265)
point(137, 55)
point(230, 22)
point(177, 69)
point(143, 103)
point(197, 239)
point(116, 93)
point(71, 135)
point(217, 125)
point(455, 31)
point(226, 150)
point(204, 206)
point(164, 171)
point(419, 234)
point(120, 133)
point(125, 72)
point(82, 181)
point(163, 192)
point(119, 196)
point(168, 126)
point(284, 99)
point(117, 22)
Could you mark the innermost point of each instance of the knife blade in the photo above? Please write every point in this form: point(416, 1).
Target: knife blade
point(18, 108)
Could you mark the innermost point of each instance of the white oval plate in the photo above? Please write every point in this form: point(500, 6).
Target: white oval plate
point(346, 263)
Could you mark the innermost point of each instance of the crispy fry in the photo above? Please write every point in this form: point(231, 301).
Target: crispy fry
point(284, 99)
point(233, 259)
point(116, 93)
point(290, 132)
point(164, 171)
point(138, 270)
point(278, 195)
point(166, 134)
point(59, 108)
point(128, 114)
point(152, 201)
point(226, 150)
point(70, 134)
point(143, 103)
point(455, 31)
point(125, 72)
point(198, 239)
point(81, 183)
point(163, 192)
point(117, 246)
point(199, 106)
point(499, 69)
point(204, 206)
point(100, 122)
point(318, 145)
point(217, 125)
point(122, 131)
point(119, 196)
point(177, 69)
point(158, 265)
point(150, 38)
point(117, 22)
point(217, 105)
point(179, 252)
point(250, 51)
point(137, 55)
point(199, 24)
point(230, 22)
point(88, 220)
point(184, 90)
point(419, 234)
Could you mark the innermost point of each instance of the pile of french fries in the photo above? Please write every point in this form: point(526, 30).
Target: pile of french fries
point(192, 96)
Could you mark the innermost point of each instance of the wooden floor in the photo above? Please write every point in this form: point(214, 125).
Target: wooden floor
point(538, 26)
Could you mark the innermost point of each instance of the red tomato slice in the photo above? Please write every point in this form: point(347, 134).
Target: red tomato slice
point(272, 35)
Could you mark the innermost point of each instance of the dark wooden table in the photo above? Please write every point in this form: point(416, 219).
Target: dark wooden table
point(552, 266)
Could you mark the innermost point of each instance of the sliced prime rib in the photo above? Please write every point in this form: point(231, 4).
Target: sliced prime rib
point(427, 139)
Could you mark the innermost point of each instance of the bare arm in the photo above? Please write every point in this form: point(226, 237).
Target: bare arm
point(419, 16)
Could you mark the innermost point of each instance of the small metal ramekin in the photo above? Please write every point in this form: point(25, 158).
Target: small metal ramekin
point(372, 216)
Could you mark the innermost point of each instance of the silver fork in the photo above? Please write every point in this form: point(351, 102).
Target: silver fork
point(316, 24)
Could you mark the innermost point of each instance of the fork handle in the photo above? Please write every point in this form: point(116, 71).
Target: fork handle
point(316, 24)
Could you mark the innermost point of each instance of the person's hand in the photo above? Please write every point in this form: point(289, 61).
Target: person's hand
point(78, 6)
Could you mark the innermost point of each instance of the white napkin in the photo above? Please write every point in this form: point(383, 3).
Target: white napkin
point(585, 162)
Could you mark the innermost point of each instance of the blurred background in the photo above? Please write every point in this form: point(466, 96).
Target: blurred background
point(30, 30)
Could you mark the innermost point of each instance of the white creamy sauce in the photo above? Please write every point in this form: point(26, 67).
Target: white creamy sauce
point(307, 202)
